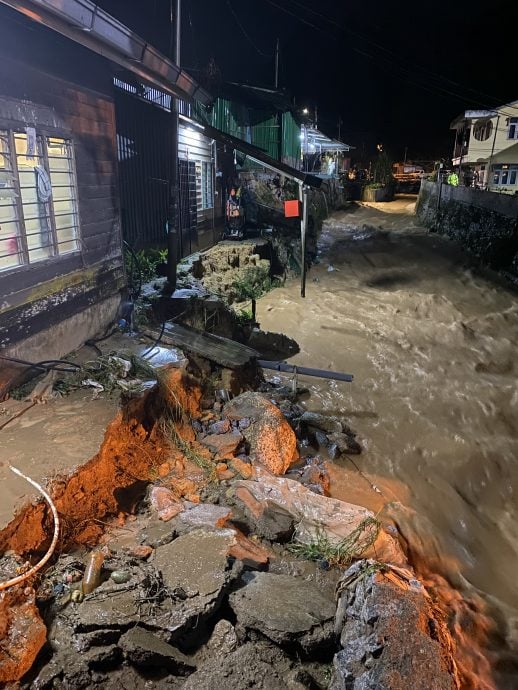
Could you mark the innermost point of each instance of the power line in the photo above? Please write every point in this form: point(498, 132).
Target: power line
point(245, 33)
point(388, 50)
point(440, 89)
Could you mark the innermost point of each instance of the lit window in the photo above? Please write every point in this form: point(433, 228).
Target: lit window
point(513, 128)
point(206, 181)
point(10, 245)
point(204, 185)
point(505, 174)
point(38, 198)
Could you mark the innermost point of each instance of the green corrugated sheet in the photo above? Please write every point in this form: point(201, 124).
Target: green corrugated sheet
point(230, 118)
point(266, 133)
point(290, 140)
point(278, 135)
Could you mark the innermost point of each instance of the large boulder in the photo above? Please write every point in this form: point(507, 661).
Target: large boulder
point(267, 498)
point(389, 635)
point(271, 439)
point(286, 610)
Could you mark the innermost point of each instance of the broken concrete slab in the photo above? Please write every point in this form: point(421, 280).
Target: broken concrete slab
point(206, 515)
point(254, 665)
point(145, 650)
point(271, 439)
point(285, 609)
point(389, 635)
point(195, 566)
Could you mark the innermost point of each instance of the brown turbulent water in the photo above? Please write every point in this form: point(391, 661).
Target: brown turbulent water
point(433, 348)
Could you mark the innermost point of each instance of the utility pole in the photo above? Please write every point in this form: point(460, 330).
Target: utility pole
point(174, 230)
point(406, 151)
point(340, 123)
point(277, 64)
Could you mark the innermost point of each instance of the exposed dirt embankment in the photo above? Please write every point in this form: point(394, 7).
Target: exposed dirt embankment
point(113, 481)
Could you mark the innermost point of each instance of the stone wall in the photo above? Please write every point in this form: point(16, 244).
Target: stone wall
point(485, 223)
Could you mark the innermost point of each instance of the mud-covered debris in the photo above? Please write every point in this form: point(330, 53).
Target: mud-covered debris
point(223, 444)
point(243, 468)
point(145, 650)
point(249, 552)
point(271, 439)
point(22, 633)
point(259, 665)
point(221, 427)
point(197, 564)
point(165, 503)
point(286, 610)
point(346, 443)
point(142, 551)
point(321, 421)
point(204, 515)
point(313, 474)
point(223, 640)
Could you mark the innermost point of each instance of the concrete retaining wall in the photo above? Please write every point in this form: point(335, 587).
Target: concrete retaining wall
point(485, 223)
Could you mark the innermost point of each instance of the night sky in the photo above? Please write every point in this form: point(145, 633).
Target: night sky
point(396, 73)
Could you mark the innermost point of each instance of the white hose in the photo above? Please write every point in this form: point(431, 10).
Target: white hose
point(25, 576)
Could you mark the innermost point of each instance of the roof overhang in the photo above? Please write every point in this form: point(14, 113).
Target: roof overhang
point(259, 156)
point(321, 142)
point(85, 23)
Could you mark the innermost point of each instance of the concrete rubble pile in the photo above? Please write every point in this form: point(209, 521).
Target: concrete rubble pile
point(198, 585)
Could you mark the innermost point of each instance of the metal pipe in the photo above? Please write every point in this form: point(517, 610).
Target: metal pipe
point(305, 371)
point(489, 174)
point(303, 197)
point(172, 258)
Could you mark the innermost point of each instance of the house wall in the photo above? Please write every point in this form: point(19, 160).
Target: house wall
point(80, 289)
point(497, 146)
point(194, 146)
point(485, 223)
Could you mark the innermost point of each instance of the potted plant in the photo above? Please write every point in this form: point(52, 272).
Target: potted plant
point(382, 186)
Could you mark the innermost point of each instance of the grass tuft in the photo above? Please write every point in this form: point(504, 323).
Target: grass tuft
point(341, 553)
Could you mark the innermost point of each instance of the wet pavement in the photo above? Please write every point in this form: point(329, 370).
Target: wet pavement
point(433, 348)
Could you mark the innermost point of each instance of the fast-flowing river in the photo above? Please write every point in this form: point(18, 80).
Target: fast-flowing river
point(434, 352)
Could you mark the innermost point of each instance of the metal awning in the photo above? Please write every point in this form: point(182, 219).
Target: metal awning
point(86, 23)
point(315, 141)
point(260, 156)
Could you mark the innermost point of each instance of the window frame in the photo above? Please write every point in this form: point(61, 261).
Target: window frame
point(44, 132)
point(510, 170)
point(513, 124)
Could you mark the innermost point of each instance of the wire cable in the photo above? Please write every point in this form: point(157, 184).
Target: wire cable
point(378, 59)
point(61, 365)
point(245, 33)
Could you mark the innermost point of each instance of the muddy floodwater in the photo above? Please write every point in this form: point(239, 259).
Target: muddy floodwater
point(433, 347)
